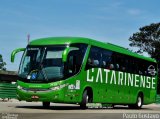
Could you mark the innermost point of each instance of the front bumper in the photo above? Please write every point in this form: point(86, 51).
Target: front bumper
point(46, 96)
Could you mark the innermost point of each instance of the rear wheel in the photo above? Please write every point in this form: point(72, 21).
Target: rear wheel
point(46, 104)
point(85, 97)
point(138, 104)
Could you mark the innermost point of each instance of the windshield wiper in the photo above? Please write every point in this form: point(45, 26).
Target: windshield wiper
point(41, 66)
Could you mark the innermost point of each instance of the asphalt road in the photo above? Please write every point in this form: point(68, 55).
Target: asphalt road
point(34, 110)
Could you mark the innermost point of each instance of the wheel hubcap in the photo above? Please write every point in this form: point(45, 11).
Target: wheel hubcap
point(139, 101)
point(87, 99)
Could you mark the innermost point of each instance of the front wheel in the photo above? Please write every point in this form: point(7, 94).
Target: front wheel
point(46, 104)
point(83, 104)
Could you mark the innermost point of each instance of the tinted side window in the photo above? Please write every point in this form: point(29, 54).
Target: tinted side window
point(119, 62)
point(75, 59)
point(102, 58)
point(94, 59)
point(107, 60)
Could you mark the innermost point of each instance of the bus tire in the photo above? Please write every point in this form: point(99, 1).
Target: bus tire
point(139, 102)
point(85, 97)
point(46, 104)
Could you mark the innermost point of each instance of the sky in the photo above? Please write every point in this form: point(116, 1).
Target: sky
point(112, 21)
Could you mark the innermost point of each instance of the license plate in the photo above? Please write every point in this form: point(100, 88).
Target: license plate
point(35, 97)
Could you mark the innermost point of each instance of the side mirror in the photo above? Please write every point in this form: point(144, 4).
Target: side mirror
point(66, 52)
point(14, 52)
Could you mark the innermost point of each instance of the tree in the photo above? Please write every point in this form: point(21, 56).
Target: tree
point(148, 40)
point(2, 63)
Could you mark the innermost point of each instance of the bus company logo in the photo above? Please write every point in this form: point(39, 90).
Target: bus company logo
point(33, 76)
point(152, 70)
point(122, 78)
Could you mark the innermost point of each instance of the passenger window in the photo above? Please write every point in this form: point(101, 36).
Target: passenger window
point(103, 58)
point(94, 58)
point(107, 59)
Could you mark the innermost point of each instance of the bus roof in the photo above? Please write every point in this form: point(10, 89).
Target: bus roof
point(70, 40)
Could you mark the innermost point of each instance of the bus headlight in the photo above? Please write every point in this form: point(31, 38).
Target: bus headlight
point(19, 87)
point(55, 88)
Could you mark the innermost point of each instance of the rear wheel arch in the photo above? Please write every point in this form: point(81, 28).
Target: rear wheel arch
point(141, 93)
point(139, 101)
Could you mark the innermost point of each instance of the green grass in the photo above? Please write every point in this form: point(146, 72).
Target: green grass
point(158, 99)
point(7, 90)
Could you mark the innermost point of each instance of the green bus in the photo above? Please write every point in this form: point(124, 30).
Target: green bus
point(80, 70)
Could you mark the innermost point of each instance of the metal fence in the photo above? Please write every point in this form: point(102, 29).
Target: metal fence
point(7, 90)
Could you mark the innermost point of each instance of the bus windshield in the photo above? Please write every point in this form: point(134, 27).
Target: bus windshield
point(44, 63)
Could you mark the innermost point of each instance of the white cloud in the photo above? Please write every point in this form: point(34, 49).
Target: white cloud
point(116, 4)
point(134, 12)
point(111, 6)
